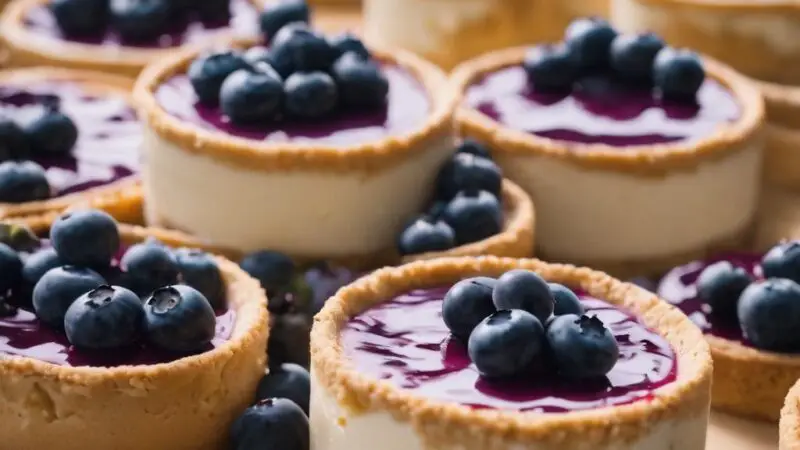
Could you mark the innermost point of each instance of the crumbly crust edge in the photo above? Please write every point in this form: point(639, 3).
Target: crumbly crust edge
point(789, 425)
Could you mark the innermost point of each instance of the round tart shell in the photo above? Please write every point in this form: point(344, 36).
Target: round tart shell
point(789, 427)
point(484, 429)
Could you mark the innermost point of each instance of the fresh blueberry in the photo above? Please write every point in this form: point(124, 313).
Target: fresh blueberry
point(466, 171)
point(632, 56)
point(782, 261)
point(582, 346)
point(296, 296)
point(149, 266)
point(273, 270)
point(13, 142)
point(80, 17)
point(52, 134)
point(566, 302)
point(87, 238)
point(350, 43)
point(214, 11)
point(38, 264)
point(466, 304)
point(361, 82)
point(105, 317)
point(525, 290)
point(277, 15)
point(140, 20)
point(201, 271)
point(307, 49)
point(286, 380)
point(436, 210)
point(271, 424)
point(589, 40)
point(252, 96)
point(23, 181)
point(257, 54)
point(720, 286)
point(59, 288)
point(289, 338)
point(551, 68)
point(209, 71)
point(678, 74)
point(10, 268)
point(474, 216)
point(424, 235)
point(179, 318)
point(473, 147)
point(506, 343)
point(769, 312)
point(310, 95)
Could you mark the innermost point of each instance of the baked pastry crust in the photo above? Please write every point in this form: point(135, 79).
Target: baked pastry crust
point(789, 427)
point(474, 429)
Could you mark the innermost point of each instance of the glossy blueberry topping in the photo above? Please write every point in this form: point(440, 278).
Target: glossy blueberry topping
point(252, 95)
point(467, 172)
point(679, 74)
point(360, 81)
point(506, 343)
point(140, 20)
point(474, 215)
point(466, 304)
point(209, 71)
point(349, 43)
point(180, 319)
point(589, 40)
point(310, 95)
point(57, 289)
point(276, 15)
point(53, 133)
point(769, 313)
point(39, 263)
point(271, 424)
point(13, 142)
point(565, 300)
point(582, 346)
point(783, 261)
point(286, 380)
point(104, 318)
point(426, 235)
point(149, 266)
point(23, 181)
point(87, 238)
point(200, 270)
point(720, 285)
point(525, 290)
point(306, 49)
point(10, 268)
point(551, 68)
point(272, 269)
point(632, 56)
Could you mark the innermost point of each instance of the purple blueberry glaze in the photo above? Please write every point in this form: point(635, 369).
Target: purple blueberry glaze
point(407, 107)
point(600, 110)
point(405, 342)
point(187, 29)
point(109, 133)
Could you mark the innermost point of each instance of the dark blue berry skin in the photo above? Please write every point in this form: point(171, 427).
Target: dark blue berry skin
point(350, 43)
point(582, 346)
point(506, 343)
point(59, 288)
point(361, 83)
point(632, 56)
point(214, 11)
point(271, 424)
point(525, 290)
point(306, 49)
point(466, 304)
point(289, 338)
point(566, 302)
point(466, 171)
point(782, 261)
point(277, 15)
point(106, 317)
point(474, 216)
point(769, 313)
point(209, 71)
point(252, 96)
point(678, 74)
point(38, 264)
point(87, 238)
point(180, 319)
point(310, 95)
point(80, 17)
point(551, 68)
point(286, 380)
point(473, 147)
point(23, 181)
point(589, 40)
point(720, 286)
point(13, 142)
point(201, 271)
point(273, 270)
point(424, 235)
point(140, 20)
point(10, 268)
point(281, 66)
point(149, 266)
point(52, 134)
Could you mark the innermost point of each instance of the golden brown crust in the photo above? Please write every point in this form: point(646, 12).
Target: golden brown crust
point(649, 160)
point(789, 427)
point(687, 396)
point(782, 103)
point(772, 6)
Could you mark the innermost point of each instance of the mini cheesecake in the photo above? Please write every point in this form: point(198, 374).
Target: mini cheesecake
point(782, 135)
point(575, 145)
point(388, 370)
point(790, 421)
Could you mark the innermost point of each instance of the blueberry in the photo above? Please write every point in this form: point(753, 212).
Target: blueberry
point(87, 238)
point(214, 11)
point(424, 235)
point(436, 210)
point(306, 49)
point(59, 288)
point(474, 216)
point(271, 424)
point(632, 56)
point(361, 82)
point(105, 317)
point(149, 266)
point(179, 318)
point(782, 261)
point(10, 268)
point(310, 95)
point(296, 296)
point(38, 264)
point(286, 380)
point(566, 302)
point(678, 74)
point(506, 343)
point(201, 271)
point(80, 17)
point(23, 181)
point(252, 96)
point(289, 338)
point(140, 20)
point(52, 134)
point(473, 147)
point(720, 286)
point(13, 142)
point(769, 312)
point(277, 15)
point(349, 43)
point(466, 304)
point(551, 68)
point(524, 289)
point(466, 171)
point(273, 270)
point(256, 55)
point(209, 71)
point(582, 346)
point(589, 40)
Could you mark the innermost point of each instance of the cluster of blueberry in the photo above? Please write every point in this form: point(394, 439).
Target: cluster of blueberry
point(301, 75)
point(735, 295)
point(514, 323)
point(467, 205)
point(593, 46)
point(155, 295)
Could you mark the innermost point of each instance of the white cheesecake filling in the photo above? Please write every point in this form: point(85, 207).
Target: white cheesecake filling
point(300, 212)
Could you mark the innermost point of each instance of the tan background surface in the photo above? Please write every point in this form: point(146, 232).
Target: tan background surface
point(730, 433)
